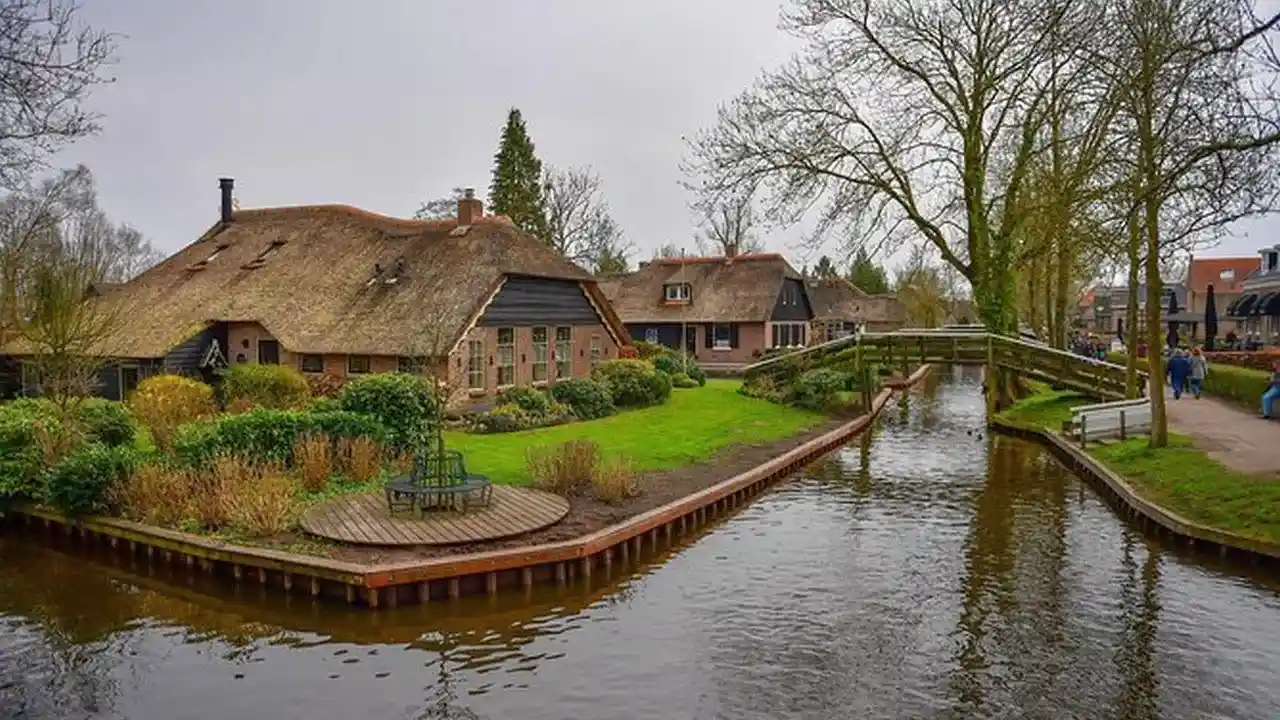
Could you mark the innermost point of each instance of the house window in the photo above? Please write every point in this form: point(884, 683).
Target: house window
point(359, 364)
point(595, 351)
point(540, 354)
point(311, 363)
point(268, 352)
point(506, 357)
point(721, 337)
point(564, 352)
point(651, 336)
point(790, 295)
point(411, 365)
point(677, 292)
point(788, 334)
point(129, 378)
point(1227, 274)
point(475, 365)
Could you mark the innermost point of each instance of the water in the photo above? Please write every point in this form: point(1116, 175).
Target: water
point(930, 572)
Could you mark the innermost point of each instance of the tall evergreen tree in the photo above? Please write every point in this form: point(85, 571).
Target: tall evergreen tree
point(869, 277)
point(825, 269)
point(516, 188)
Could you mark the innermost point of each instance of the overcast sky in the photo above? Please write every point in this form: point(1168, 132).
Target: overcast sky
point(386, 103)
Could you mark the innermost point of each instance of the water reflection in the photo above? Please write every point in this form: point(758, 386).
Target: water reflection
point(927, 570)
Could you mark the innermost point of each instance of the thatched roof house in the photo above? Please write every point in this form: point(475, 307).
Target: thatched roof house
point(318, 284)
point(838, 302)
point(724, 309)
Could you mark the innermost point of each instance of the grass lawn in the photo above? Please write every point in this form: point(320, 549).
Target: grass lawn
point(1179, 477)
point(688, 429)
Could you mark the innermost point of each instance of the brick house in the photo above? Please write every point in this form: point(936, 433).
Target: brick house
point(1227, 276)
point(724, 310)
point(334, 289)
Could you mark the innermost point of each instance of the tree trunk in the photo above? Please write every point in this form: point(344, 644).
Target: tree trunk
point(1155, 358)
point(1060, 294)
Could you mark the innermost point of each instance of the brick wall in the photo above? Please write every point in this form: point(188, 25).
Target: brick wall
point(523, 357)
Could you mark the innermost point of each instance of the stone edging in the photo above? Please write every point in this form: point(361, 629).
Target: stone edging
point(1123, 496)
point(417, 581)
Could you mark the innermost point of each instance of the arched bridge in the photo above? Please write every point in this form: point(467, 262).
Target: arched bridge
point(1032, 360)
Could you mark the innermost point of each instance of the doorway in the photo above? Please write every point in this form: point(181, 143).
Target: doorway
point(691, 340)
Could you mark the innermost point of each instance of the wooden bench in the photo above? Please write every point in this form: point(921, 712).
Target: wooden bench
point(1118, 419)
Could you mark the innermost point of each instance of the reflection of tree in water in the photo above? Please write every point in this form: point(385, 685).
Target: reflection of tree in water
point(989, 565)
point(1135, 658)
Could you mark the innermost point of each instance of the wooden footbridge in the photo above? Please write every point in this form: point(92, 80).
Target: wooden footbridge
point(954, 346)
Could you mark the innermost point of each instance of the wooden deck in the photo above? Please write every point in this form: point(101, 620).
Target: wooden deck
point(365, 519)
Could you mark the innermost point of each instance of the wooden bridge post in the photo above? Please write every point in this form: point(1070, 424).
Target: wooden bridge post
point(992, 392)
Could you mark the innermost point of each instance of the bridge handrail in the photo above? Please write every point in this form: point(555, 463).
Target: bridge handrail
point(1113, 405)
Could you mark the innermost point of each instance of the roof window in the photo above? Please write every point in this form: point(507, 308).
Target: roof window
point(677, 292)
point(264, 255)
point(200, 264)
point(1227, 274)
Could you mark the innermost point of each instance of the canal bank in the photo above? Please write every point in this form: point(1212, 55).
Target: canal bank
point(1178, 491)
point(928, 570)
point(448, 577)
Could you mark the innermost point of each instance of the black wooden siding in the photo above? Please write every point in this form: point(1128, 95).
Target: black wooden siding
point(10, 378)
point(525, 302)
point(795, 311)
point(185, 359)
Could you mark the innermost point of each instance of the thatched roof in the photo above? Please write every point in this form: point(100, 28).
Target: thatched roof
point(839, 299)
point(317, 293)
point(743, 288)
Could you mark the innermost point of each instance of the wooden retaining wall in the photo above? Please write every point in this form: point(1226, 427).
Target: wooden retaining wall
point(1152, 517)
point(420, 581)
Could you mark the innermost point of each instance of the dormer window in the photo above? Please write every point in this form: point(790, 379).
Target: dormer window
point(213, 255)
point(265, 255)
point(200, 264)
point(677, 292)
point(791, 295)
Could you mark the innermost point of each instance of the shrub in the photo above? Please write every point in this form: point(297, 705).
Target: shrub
point(166, 402)
point(275, 387)
point(361, 458)
point(565, 468)
point(82, 482)
point(313, 457)
point(155, 493)
point(667, 363)
point(504, 418)
point(633, 383)
point(107, 422)
point(267, 435)
point(403, 403)
point(818, 389)
point(649, 351)
point(588, 398)
point(614, 481)
point(325, 385)
point(531, 400)
point(216, 486)
point(21, 460)
point(264, 507)
point(325, 405)
point(680, 380)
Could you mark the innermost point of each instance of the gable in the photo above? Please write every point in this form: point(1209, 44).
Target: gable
point(792, 302)
point(529, 301)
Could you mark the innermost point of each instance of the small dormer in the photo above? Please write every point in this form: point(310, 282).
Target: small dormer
point(1271, 260)
point(677, 293)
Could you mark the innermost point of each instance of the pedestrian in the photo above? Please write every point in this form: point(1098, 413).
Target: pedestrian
point(1199, 368)
point(1272, 393)
point(1177, 371)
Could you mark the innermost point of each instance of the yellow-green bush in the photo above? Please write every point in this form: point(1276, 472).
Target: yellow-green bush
point(269, 387)
point(165, 402)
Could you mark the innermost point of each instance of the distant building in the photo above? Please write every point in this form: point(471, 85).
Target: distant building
point(1257, 311)
point(840, 307)
point(1226, 276)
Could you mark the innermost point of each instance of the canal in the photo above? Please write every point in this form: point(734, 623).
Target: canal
point(928, 571)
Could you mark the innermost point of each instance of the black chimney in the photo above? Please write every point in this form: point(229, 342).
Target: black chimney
point(225, 185)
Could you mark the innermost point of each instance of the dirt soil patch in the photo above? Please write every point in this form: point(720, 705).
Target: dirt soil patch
point(587, 515)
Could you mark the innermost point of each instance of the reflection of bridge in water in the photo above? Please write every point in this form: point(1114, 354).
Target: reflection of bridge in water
point(954, 346)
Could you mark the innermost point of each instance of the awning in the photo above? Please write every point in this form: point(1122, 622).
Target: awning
point(1231, 309)
point(1246, 304)
point(1270, 305)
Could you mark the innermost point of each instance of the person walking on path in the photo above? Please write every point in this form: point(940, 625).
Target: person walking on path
point(1272, 394)
point(1178, 370)
point(1199, 368)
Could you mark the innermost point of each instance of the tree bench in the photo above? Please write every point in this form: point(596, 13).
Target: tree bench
point(437, 482)
point(1110, 420)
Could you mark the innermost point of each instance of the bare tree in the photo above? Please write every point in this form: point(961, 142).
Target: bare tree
point(581, 227)
point(59, 221)
point(48, 65)
point(441, 208)
point(728, 224)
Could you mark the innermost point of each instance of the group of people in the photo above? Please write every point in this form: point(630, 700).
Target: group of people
point(1187, 370)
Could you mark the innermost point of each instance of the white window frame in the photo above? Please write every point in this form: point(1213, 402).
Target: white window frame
point(541, 352)
point(597, 350)
point(475, 365)
point(789, 334)
point(507, 358)
point(564, 352)
point(716, 342)
point(682, 292)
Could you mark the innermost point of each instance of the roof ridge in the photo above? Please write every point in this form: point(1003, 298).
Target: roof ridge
point(720, 258)
point(290, 211)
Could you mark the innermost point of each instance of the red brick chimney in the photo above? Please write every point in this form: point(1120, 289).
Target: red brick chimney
point(469, 208)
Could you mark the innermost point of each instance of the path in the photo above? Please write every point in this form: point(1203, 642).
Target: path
point(1229, 434)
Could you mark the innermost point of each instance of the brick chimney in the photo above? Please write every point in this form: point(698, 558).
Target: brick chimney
point(225, 185)
point(469, 208)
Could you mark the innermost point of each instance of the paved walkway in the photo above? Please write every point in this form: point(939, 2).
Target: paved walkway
point(1234, 437)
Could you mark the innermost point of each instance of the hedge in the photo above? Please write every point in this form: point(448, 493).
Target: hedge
point(1242, 386)
point(268, 434)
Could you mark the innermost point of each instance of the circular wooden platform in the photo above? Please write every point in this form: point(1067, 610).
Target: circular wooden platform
point(366, 520)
